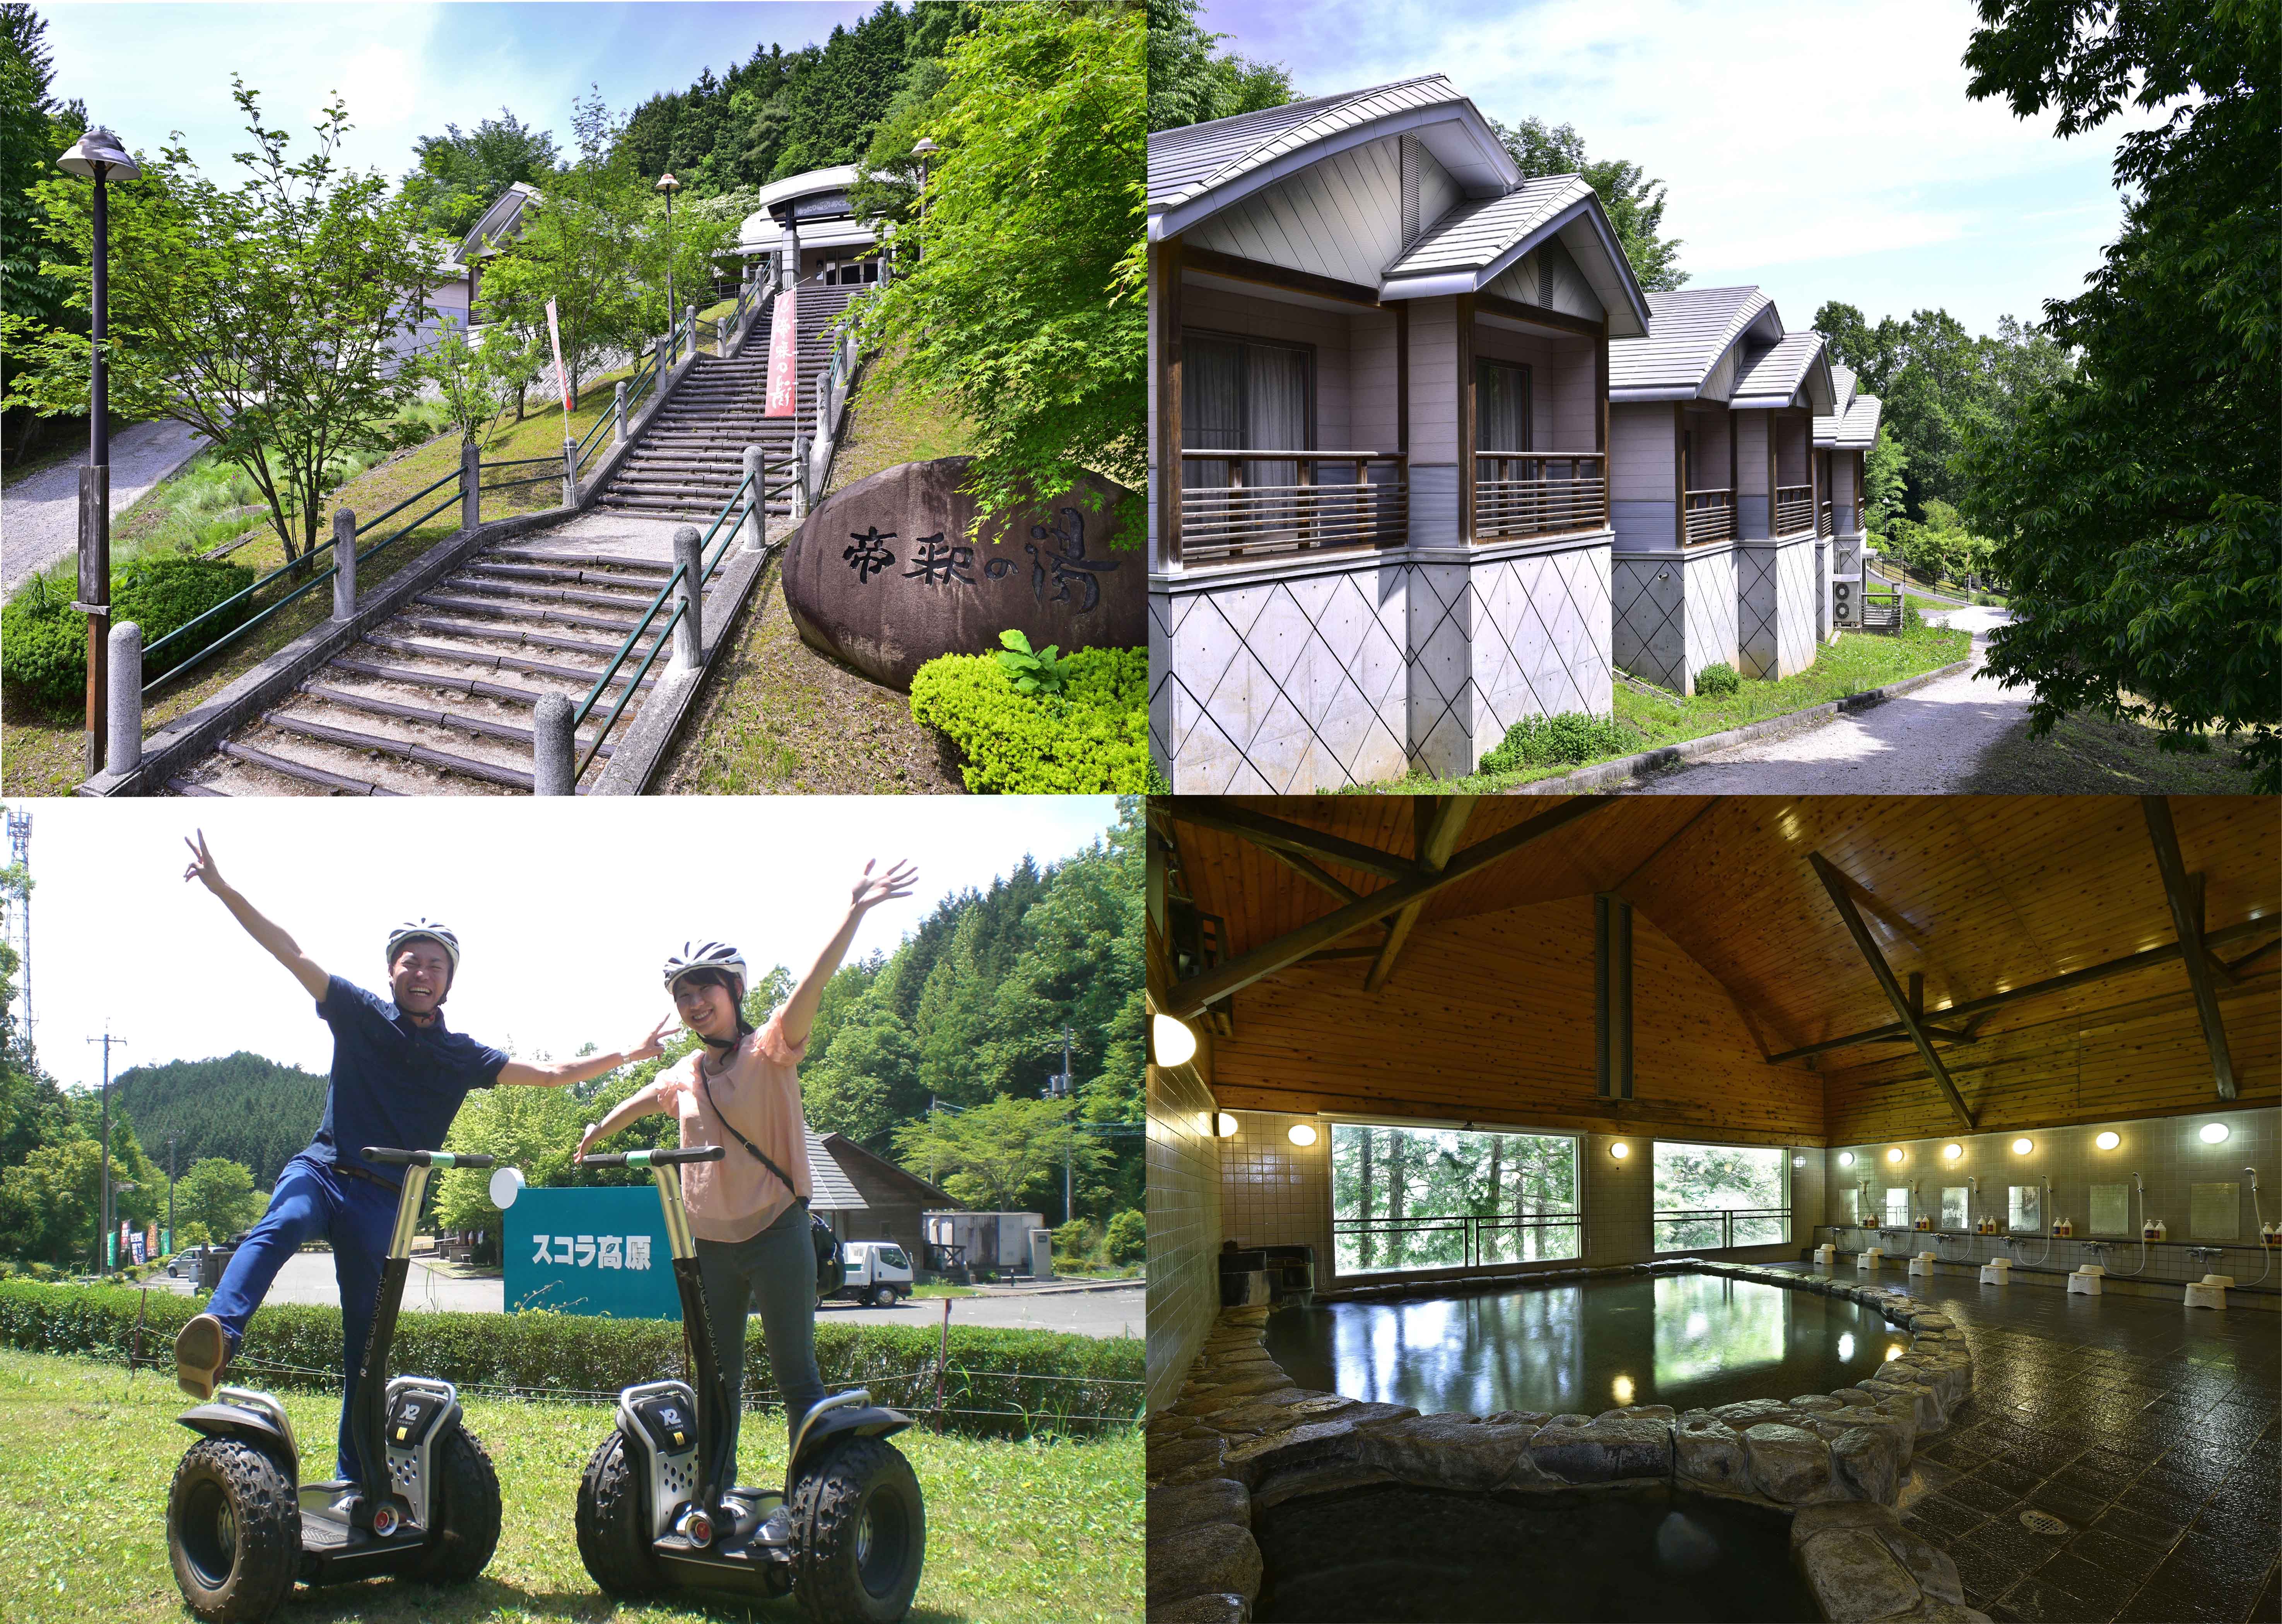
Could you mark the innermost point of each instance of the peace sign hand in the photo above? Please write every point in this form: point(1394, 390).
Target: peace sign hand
point(203, 868)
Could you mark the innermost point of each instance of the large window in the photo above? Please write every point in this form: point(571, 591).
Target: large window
point(1244, 394)
point(1708, 1197)
point(1441, 1198)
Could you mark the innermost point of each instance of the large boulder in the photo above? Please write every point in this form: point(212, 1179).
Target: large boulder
point(889, 572)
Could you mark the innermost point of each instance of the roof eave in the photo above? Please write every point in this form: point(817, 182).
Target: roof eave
point(1640, 393)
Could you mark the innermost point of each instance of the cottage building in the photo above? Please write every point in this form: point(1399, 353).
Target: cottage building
point(1718, 559)
point(1843, 440)
point(893, 1199)
point(1379, 528)
point(808, 217)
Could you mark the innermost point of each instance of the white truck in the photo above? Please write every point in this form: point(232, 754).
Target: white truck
point(879, 1273)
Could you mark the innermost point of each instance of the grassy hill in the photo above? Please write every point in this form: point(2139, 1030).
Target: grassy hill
point(242, 1106)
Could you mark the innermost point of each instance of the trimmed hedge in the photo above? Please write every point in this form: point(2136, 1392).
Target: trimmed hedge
point(44, 643)
point(1090, 739)
point(999, 1383)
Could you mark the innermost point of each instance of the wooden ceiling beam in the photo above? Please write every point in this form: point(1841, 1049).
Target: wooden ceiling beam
point(1438, 823)
point(1842, 898)
point(2186, 917)
point(1274, 832)
point(1305, 869)
point(1191, 997)
point(1979, 1008)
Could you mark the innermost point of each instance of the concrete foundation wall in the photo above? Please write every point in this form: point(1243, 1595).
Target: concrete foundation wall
point(1675, 613)
point(1774, 606)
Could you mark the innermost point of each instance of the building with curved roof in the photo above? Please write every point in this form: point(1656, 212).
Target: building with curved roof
point(808, 217)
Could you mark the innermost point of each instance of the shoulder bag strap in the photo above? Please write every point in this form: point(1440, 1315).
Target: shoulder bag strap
point(740, 1137)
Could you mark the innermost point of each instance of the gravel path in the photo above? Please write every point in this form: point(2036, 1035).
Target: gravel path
point(40, 514)
point(1926, 742)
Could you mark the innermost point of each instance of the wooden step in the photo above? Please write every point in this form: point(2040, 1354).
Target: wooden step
point(443, 761)
point(509, 611)
point(584, 561)
point(512, 634)
point(504, 732)
point(508, 662)
point(337, 782)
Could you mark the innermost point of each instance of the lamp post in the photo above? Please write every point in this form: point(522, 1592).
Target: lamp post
point(667, 184)
point(98, 156)
point(923, 150)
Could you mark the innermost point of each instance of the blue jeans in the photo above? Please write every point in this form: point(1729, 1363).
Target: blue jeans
point(775, 1271)
point(313, 1203)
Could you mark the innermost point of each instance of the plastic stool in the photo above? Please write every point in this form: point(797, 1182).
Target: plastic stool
point(1867, 1259)
point(1997, 1271)
point(1922, 1264)
point(2209, 1292)
point(2086, 1280)
point(1826, 1256)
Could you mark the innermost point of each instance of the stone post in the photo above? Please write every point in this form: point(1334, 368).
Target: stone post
point(124, 752)
point(664, 359)
point(689, 325)
point(689, 592)
point(471, 484)
point(554, 749)
point(799, 478)
point(344, 564)
point(721, 335)
point(570, 470)
point(619, 409)
point(756, 519)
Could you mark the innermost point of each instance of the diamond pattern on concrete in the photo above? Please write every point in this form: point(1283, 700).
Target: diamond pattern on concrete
point(1650, 632)
point(1796, 598)
point(1709, 585)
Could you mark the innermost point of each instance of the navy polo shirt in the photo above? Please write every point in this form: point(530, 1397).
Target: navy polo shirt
point(394, 1084)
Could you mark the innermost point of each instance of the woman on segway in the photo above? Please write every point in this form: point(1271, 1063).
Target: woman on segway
point(748, 1211)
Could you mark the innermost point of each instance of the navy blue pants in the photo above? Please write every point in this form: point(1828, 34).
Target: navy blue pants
point(312, 1202)
point(775, 1272)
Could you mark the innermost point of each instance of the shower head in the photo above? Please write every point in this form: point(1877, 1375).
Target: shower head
point(2254, 1178)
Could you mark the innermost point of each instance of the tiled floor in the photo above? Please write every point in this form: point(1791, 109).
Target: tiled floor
point(2149, 1431)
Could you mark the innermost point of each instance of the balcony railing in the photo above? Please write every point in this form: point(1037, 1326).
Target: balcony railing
point(1721, 1229)
point(1711, 515)
point(1261, 504)
point(1825, 523)
point(1793, 508)
point(1458, 1241)
point(1538, 493)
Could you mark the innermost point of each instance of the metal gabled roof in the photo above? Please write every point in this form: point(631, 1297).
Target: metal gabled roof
point(1689, 330)
point(1475, 241)
point(1843, 387)
point(502, 221)
point(1774, 376)
point(832, 1191)
point(1223, 158)
point(1854, 429)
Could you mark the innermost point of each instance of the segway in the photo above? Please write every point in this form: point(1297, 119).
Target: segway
point(242, 1527)
point(654, 1508)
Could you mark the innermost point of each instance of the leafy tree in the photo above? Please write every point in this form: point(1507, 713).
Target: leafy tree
point(2135, 508)
point(242, 1106)
point(1882, 469)
point(1024, 310)
point(1634, 202)
point(47, 1202)
point(476, 381)
point(1393, 1174)
point(34, 131)
point(1190, 82)
point(460, 175)
point(991, 1156)
point(216, 1198)
point(262, 317)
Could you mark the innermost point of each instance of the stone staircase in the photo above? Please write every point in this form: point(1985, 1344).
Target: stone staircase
point(438, 699)
point(691, 459)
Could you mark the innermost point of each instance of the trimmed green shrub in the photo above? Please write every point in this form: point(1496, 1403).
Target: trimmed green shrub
point(1551, 741)
point(1718, 677)
point(998, 1382)
point(43, 643)
point(1091, 738)
point(1128, 1236)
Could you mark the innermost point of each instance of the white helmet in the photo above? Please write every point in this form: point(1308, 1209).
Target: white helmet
point(413, 929)
point(705, 955)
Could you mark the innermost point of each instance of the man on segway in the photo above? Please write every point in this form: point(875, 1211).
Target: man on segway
point(398, 1076)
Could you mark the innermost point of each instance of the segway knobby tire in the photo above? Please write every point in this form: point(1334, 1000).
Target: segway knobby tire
point(613, 1523)
point(465, 1507)
point(233, 1530)
point(860, 1532)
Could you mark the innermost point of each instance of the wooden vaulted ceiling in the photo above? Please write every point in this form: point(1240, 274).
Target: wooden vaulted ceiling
point(1976, 896)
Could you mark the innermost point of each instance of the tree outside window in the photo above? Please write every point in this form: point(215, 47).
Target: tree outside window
point(1711, 1196)
point(1439, 1198)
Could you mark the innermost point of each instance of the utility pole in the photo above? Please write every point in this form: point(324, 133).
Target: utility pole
point(19, 856)
point(1063, 1087)
point(171, 1138)
point(102, 1202)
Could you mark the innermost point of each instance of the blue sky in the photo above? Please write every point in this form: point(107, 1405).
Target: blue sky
point(1818, 148)
point(405, 70)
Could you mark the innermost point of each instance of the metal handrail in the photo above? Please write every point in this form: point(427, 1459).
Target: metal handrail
point(1468, 1227)
point(1724, 1217)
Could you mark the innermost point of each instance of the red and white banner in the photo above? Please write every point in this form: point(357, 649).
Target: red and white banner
point(562, 378)
point(784, 356)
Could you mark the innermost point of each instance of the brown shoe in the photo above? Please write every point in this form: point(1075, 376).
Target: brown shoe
point(201, 1351)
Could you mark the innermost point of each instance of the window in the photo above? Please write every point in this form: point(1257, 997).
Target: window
point(1443, 1198)
point(1244, 394)
point(1898, 1206)
point(893, 1256)
point(1501, 408)
point(1715, 1196)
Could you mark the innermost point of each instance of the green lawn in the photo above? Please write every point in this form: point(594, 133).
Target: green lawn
point(1858, 662)
point(1015, 1531)
point(2085, 756)
point(43, 753)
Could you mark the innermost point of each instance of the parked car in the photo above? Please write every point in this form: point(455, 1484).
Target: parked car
point(879, 1272)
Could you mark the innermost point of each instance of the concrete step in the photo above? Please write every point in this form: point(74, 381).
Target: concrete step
point(513, 637)
point(436, 717)
point(444, 653)
point(378, 742)
point(582, 560)
point(339, 784)
point(513, 611)
point(590, 598)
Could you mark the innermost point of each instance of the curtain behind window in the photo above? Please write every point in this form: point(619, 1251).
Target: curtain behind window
point(1278, 410)
point(1500, 414)
point(1212, 404)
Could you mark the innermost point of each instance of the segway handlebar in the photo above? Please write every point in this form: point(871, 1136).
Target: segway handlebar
point(653, 1159)
point(425, 1158)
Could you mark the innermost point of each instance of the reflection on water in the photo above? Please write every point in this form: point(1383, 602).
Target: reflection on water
point(1689, 1340)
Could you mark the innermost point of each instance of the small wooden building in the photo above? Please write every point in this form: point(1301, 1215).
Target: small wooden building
point(893, 1199)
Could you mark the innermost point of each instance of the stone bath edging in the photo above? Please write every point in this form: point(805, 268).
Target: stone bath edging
point(1242, 1437)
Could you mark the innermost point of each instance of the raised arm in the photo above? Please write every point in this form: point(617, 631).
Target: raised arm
point(800, 1008)
point(554, 1073)
point(281, 946)
point(647, 1102)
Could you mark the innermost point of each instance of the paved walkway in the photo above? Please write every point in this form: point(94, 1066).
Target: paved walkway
point(307, 1277)
point(40, 514)
point(1926, 742)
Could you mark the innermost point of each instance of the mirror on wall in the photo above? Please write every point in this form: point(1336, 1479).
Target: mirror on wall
point(2215, 1211)
point(2025, 1213)
point(1849, 1204)
point(1953, 1208)
point(1897, 1208)
point(2111, 1210)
